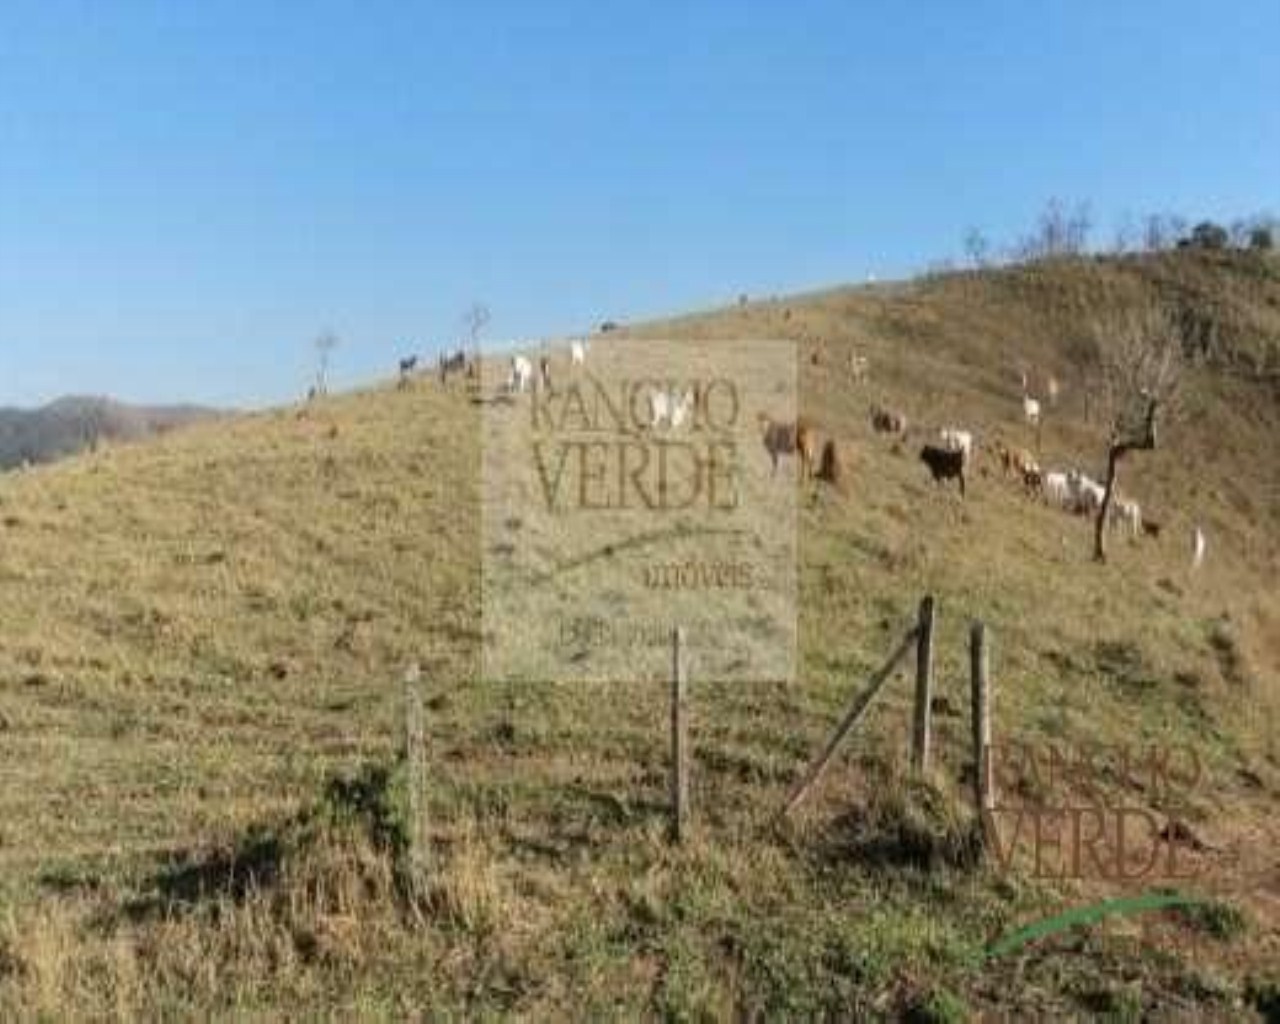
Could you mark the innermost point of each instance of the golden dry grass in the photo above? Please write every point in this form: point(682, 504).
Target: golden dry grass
point(199, 631)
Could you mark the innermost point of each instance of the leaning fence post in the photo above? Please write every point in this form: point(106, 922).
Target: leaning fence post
point(679, 737)
point(416, 764)
point(983, 781)
point(924, 687)
point(855, 712)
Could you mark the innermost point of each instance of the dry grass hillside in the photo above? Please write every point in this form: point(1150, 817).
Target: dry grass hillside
point(203, 807)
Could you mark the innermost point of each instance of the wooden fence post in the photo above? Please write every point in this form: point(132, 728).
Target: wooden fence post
point(679, 737)
point(416, 764)
point(855, 712)
point(924, 687)
point(983, 780)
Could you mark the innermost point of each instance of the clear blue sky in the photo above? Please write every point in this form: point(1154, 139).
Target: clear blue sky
point(190, 192)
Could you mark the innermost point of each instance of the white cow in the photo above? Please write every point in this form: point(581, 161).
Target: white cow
point(1031, 410)
point(957, 441)
point(578, 353)
point(1198, 546)
point(1091, 495)
point(669, 407)
point(1128, 515)
point(1057, 490)
point(1086, 495)
point(521, 376)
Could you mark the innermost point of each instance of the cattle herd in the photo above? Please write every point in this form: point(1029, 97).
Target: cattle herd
point(949, 456)
point(1070, 490)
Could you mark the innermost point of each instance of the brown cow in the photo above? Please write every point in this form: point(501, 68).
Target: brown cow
point(831, 466)
point(789, 439)
point(888, 421)
point(1015, 462)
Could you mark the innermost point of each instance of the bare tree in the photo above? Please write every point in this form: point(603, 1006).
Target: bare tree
point(1126, 237)
point(474, 321)
point(1161, 231)
point(1079, 227)
point(1059, 232)
point(1141, 362)
point(1155, 235)
point(1084, 353)
point(325, 343)
point(976, 248)
point(1238, 232)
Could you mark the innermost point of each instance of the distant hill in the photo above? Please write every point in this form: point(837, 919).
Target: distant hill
point(72, 424)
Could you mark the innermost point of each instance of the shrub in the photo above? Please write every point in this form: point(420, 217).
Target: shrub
point(1207, 235)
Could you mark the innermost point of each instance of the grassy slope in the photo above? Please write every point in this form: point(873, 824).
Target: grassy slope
point(199, 630)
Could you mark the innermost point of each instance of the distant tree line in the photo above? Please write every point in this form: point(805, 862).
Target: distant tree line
point(1063, 231)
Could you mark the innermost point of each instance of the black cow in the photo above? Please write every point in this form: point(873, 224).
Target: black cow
point(944, 464)
point(455, 362)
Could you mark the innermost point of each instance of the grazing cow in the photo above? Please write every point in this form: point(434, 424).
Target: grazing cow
point(957, 441)
point(1001, 451)
point(831, 465)
point(1051, 389)
point(887, 421)
point(521, 376)
point(455, 362)
point(578, 353)
point(1128, 516)
point(807, 448)
point(790, 438)
point(1031, 411)
point(1056, 490)
point(1198, 546)
point(669, 408)
point(944, 464)
point(1033, 480)
point(1086, 494)
point(1091, 495)
point(1016, 461)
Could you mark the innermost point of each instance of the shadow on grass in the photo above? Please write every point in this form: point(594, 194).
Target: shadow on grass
point(908, 823)
point(584, 819)
point(366, 801)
